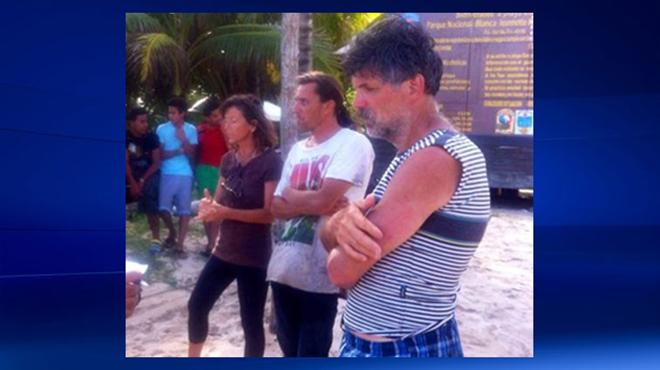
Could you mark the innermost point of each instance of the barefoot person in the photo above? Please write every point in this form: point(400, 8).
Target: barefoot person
point(249, 175)
point(401, 253)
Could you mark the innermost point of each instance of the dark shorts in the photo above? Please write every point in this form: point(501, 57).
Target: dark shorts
point(304, 321)
point(148, 202)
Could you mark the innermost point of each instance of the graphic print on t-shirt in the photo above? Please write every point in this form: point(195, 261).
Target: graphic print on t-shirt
point(306, 175)
point(139, 152)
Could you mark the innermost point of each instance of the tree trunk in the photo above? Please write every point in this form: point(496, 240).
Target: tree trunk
point(288, 125)
point(289, 68)
point(305, 61)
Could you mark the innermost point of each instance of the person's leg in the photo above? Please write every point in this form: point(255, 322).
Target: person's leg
point(183, 202)
point(286, 304)
point(184, 221)
point(317, 314)
point(154, 225)
point(213, 280)
point(149, 204)
point(252, 291)
point(165, 201)
point(167, 219)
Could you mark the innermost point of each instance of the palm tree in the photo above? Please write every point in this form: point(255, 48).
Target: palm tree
point(336, 28)
point(289, 67)
point(198, 54)
point(305, 33)
point(341, 27)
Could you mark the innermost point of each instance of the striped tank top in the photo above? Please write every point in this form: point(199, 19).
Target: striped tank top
point(413, 289)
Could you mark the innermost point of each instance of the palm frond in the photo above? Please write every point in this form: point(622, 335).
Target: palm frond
point(168, 21)
point(323, 54)
point(239, 44)
point(156, 57)
point(142, 23)
point(340, 27)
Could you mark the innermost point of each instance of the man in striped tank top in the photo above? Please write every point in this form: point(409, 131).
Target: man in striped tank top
point(401, 251)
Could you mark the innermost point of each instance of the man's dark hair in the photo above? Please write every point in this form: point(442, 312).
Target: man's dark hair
point(211, 104)
point(395, 50)
point(328, 88)
point(179, 103)
point(134, 113)
point(251, 108)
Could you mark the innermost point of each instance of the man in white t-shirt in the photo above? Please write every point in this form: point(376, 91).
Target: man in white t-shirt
point(321, 173)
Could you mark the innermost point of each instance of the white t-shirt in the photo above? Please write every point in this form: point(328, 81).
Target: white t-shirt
point(299, 258)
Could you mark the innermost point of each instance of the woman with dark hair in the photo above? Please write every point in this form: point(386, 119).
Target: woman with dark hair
point(250, 171)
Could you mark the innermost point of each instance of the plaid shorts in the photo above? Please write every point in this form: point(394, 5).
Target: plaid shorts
point(441, 342)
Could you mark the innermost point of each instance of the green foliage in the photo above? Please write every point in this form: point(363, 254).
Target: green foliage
point(341, 27)
point(198, 54)
point(349, 97)
point(141, 23)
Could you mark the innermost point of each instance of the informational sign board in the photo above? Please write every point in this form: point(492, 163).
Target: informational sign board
point(487, 84)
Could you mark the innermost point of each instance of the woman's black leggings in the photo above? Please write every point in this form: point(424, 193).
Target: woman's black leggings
point(252, 288)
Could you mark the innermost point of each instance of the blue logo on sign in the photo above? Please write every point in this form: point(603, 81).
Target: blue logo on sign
point(524, 121)
point(411, 17)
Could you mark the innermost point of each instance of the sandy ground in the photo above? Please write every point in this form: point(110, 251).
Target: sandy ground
point(495, 305)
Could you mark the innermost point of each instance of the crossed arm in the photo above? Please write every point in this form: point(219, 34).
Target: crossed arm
point(187, 149)
point(325, 200)
point(361, 234)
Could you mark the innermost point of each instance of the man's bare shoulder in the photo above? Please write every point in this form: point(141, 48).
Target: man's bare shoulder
point(433, 165)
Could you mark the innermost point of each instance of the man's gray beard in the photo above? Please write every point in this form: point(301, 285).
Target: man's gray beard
point(385, 133)
point(389, 131)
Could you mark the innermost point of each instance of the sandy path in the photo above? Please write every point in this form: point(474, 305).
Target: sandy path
point(495, 309)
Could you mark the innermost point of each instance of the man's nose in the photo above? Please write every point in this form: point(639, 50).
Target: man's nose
point(359, 101)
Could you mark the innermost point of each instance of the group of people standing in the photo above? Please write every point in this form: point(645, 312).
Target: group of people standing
point(161, 168)
point(320, 175)
point(399, 252)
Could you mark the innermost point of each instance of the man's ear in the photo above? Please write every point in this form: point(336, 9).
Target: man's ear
point(329, 106)
point(416, 85)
